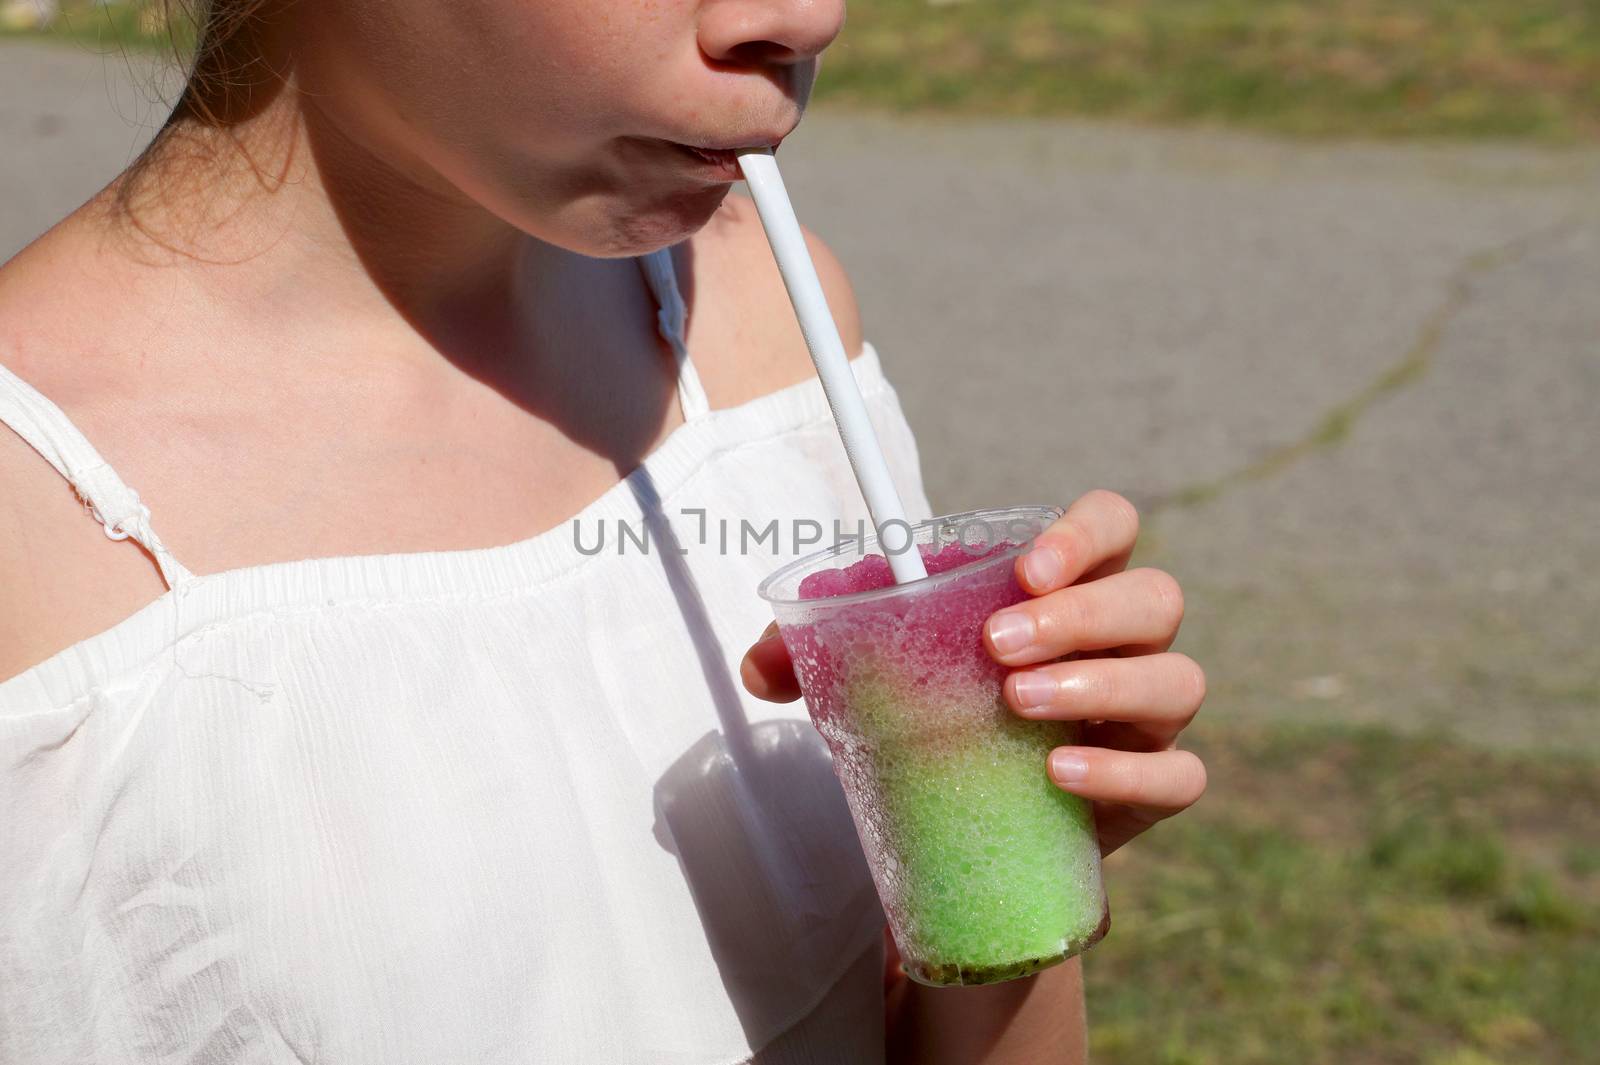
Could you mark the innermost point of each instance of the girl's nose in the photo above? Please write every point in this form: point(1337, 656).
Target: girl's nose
point(765, 32)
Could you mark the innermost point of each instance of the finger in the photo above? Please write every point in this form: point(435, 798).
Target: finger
point(1115, 824)
point(1141, 606)
point(1160, 692)
point(767, 672)
point(1159, 783)
point(1094, 537)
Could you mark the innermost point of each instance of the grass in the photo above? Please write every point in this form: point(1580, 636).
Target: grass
point(1459, 68)
point(110, 27)
point(1370, 67)
point(1345, 895)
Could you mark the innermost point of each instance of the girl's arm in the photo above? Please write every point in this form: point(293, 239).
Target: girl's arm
point(1034, 1020)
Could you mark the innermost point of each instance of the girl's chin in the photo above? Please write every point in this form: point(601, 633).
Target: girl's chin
point(623, 226)
point(637, 229)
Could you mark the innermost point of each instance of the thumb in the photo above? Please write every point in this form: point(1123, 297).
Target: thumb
point(766, 670)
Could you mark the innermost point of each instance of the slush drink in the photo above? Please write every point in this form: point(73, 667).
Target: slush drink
point(987, 871)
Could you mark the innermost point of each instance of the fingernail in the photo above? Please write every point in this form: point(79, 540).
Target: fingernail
point(1073, 682)
point(1034, 689)
point(1068, 768)
point(1042, 567)
point(1010, 631)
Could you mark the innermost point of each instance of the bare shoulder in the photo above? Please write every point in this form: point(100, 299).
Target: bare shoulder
point(62, 579)
point(742, 330)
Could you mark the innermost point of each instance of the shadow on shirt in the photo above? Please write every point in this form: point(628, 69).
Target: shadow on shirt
point(765, 840)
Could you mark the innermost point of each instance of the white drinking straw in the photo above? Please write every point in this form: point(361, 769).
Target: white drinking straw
point(827, 352)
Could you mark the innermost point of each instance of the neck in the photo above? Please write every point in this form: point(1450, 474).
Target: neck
point(286, 204)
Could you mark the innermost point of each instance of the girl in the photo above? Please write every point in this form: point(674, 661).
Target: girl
point(294, 767)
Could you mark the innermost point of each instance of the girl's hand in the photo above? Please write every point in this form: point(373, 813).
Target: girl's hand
point(1112, 626)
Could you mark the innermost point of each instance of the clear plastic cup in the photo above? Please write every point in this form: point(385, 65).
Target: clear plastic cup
point(986, 870)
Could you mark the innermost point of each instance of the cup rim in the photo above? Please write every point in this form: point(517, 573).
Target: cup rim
point(1049, 512)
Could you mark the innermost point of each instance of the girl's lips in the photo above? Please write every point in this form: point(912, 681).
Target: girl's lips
point(719, 164)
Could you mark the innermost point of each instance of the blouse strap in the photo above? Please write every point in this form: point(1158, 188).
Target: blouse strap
point(112, 503)
point(672, 321)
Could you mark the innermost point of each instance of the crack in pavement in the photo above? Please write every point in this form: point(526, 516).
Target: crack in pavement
point(1336, 425)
